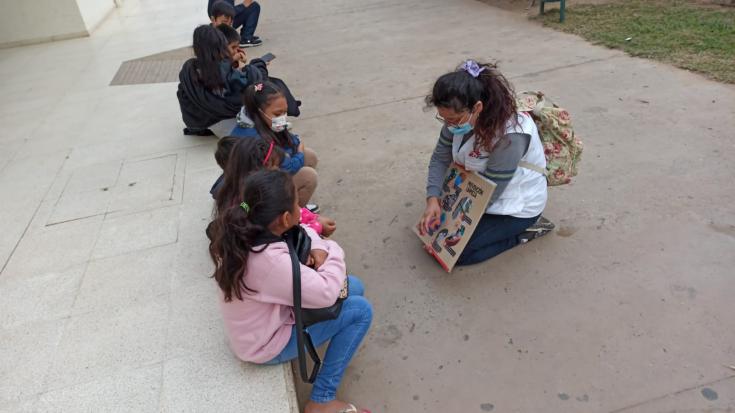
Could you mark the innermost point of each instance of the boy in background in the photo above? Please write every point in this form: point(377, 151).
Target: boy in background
point(245, 15)
point(237, 54)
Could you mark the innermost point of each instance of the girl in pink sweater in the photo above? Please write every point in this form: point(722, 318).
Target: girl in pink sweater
point(253, 271)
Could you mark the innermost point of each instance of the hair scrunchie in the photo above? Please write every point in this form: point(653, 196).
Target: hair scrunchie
point(470, 66)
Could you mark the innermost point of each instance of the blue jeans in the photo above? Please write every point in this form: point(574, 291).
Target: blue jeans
point(345, 334)
point(247, 17)
point(493, 235)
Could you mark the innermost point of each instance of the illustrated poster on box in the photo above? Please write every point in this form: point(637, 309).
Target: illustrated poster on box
point(464, 199)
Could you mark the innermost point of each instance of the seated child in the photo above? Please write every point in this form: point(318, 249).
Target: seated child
point(221, 12)
point(254, 273)
point(257, 70)
point(264, 115)
point(237, 54)
point(210, 89)
point(240, 157)
point(245, 15)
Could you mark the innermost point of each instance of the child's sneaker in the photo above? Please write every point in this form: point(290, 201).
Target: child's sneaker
point(314, 208)
point(542, 227)
point(198, 132)
point(251, 42)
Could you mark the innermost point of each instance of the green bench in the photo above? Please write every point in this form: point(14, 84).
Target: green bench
point(562, 4)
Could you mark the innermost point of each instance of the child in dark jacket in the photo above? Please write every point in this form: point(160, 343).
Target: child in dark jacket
point(210, 89)
point(246, 15)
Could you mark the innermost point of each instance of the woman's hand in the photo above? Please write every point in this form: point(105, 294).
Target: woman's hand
point(301, 147)
point(317, 258)
point(432, 215)
point(328, 226)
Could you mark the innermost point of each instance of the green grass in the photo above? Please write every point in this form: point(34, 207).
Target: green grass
point(690, 36)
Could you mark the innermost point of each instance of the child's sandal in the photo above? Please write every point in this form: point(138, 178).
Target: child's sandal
point(353, 409)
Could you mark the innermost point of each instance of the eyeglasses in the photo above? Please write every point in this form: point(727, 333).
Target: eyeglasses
point(446, 122)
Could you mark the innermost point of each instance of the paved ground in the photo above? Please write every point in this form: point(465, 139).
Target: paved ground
point(628, 307)
point(105, 300)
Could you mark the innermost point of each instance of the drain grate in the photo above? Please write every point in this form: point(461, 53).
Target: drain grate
point(158, 68)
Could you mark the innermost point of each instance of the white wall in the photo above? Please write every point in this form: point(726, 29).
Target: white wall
point(29, 21)
point(35, 21)
point(94, 11)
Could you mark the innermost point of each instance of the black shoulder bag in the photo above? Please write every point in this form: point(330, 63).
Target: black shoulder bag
point(299, 247)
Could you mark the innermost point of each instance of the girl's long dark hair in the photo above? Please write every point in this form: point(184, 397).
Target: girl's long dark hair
point(210, 48)
point(246, 156)
point(268, 195)
point(255, 101)
point(459, 91)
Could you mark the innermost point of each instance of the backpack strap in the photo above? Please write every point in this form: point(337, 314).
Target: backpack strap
point(533, 167)
point(303, 338)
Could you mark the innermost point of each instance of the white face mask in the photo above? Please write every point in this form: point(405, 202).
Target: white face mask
point(279, 123)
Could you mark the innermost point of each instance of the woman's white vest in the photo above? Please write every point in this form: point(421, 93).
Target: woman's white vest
point(526, 194)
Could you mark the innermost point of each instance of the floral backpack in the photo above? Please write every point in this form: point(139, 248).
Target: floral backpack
point(562, 148)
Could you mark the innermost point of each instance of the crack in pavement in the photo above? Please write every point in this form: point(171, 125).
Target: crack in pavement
point(409, 98)
point(675, 393)
point(554, 69)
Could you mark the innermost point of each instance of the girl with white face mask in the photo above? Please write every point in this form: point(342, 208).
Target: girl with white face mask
point(264, 115)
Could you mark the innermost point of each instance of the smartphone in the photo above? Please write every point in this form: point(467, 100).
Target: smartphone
point(268, 57)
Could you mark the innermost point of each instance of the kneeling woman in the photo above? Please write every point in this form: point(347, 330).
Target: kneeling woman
point(484, 132)
point(253, 270)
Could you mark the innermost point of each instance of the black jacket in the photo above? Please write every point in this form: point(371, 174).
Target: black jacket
point(200, 108)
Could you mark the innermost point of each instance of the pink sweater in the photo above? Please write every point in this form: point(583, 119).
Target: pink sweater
point(260, 325)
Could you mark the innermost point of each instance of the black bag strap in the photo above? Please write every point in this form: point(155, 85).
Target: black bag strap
point(302, 336)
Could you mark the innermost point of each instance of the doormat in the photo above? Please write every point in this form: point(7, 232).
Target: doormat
point(157, 68)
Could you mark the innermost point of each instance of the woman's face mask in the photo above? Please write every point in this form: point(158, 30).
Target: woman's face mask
point(462, 127)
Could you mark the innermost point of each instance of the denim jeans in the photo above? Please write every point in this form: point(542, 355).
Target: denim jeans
point(345, 333)
point(493, 235)
point(247, 17)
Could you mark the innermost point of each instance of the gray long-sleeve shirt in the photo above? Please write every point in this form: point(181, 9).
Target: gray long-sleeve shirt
point(502, 162)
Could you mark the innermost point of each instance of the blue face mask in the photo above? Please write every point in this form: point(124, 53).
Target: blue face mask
point(462, 129)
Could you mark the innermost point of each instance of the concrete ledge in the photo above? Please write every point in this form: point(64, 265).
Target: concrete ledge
point(289, 377)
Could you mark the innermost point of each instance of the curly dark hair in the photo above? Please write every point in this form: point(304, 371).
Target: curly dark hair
point(460, 91)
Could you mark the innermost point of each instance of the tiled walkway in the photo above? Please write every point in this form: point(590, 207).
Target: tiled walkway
point(105, 300)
